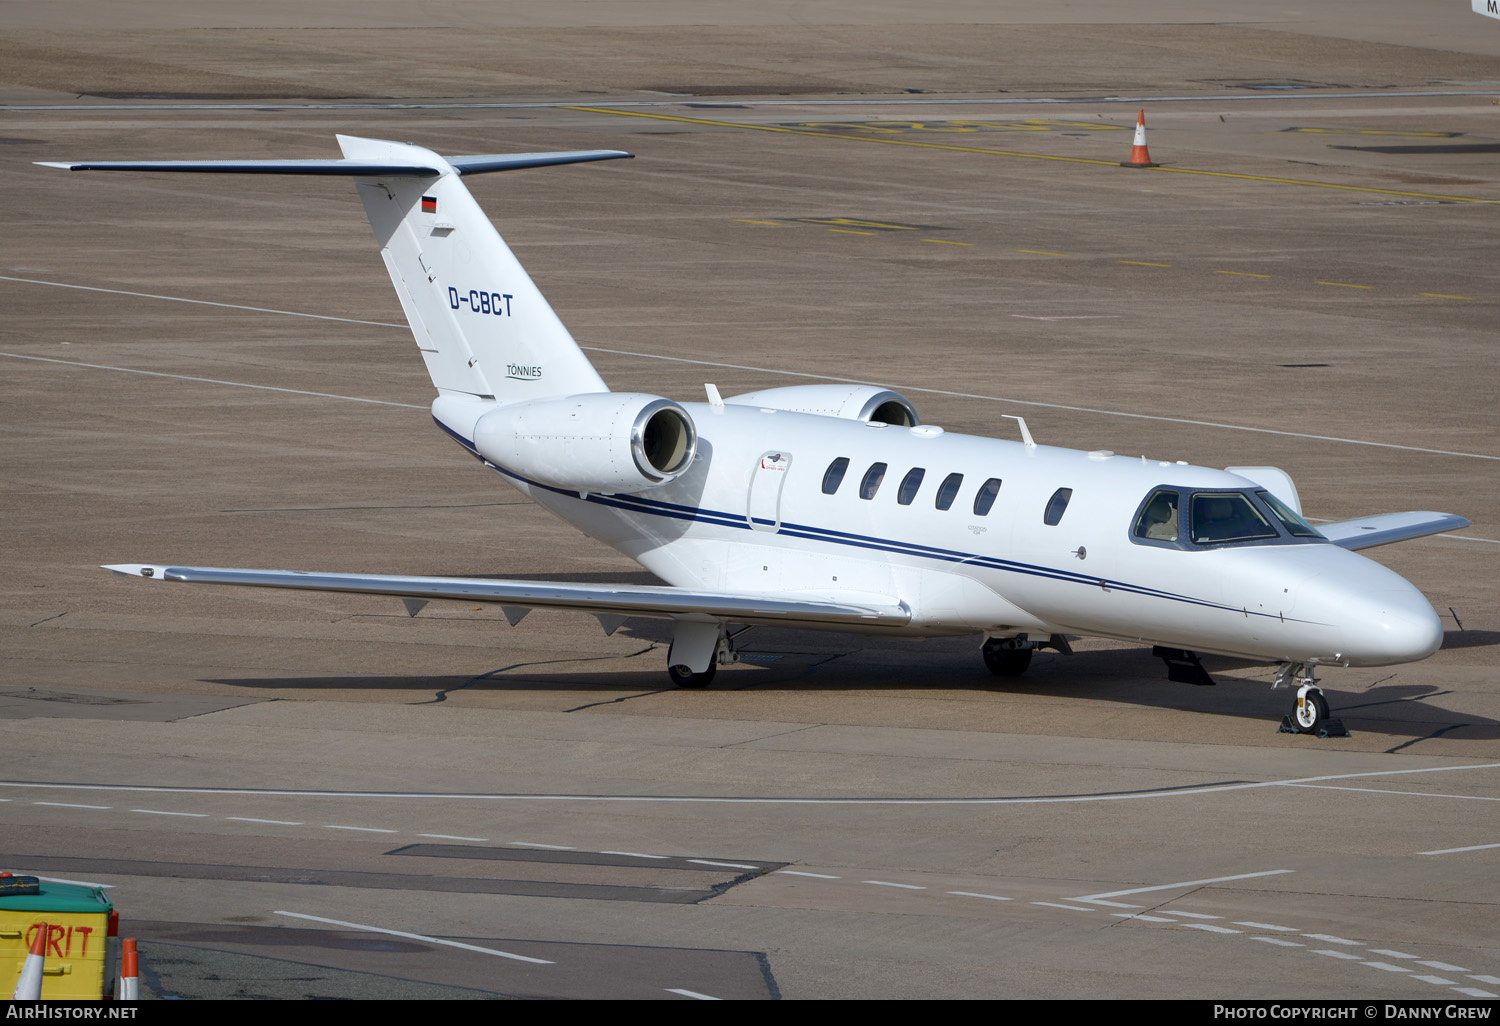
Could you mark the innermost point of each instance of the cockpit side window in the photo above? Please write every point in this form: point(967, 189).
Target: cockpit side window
point(871, 484)
point(1295, 525)
point(834, 475)
point(1158, 520)
point(1227, 517)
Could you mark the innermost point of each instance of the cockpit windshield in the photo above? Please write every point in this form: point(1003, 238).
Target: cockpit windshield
point(1227, 517)
point(1182, 519)
point(1295, 525)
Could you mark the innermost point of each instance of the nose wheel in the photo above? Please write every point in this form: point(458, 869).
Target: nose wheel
point(1310, 713)
point(1311, 710)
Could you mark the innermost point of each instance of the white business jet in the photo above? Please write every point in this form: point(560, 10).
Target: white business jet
point(833, 506)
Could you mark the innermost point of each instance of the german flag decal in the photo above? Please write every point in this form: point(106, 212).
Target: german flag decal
point(429, 204)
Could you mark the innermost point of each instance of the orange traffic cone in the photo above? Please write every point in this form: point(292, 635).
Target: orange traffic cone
point(1138, 155)
point(29, 986)
point(130, 983)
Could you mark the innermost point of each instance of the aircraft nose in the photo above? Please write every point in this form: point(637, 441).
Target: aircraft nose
point(1380, 626)
point(1397, 627)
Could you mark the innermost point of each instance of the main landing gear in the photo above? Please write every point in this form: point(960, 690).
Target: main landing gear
point(1007, 657)
point(1310, 713)
point(698, 649)
point(684, 677)
point(1010, 657)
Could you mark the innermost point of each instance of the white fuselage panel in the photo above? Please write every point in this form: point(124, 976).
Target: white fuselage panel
point(751, 515)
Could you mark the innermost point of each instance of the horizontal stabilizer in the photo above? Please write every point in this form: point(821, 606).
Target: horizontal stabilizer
point(483, 328)
point(1384, 528)
point(473, 165)
point(628, 600)
point(516, 161)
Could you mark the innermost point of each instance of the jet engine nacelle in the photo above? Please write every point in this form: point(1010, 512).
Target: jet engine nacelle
point(868, 403)
point(596, 442)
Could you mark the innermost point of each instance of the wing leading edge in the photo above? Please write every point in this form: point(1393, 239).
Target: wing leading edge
point(601, 599)
point(1384, 528)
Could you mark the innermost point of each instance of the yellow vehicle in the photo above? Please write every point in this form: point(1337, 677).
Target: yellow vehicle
point(79, 922)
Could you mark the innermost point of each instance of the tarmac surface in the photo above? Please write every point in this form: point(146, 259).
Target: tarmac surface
point(298, 795)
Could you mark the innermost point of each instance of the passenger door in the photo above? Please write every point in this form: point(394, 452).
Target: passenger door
point(767, 479)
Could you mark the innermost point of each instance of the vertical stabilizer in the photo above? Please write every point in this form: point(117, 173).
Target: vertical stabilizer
point(483, 327)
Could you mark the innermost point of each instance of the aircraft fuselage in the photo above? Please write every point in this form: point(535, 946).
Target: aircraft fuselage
point(752, 516)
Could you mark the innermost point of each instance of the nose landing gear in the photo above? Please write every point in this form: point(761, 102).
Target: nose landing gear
point(1310, 713)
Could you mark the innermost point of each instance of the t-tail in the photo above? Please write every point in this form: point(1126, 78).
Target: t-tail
point(482, 325)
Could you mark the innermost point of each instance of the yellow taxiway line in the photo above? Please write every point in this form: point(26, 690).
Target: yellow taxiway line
point(1030, 156)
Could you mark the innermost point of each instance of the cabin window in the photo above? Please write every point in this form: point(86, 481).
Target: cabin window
point(1057, 506)
point(871, 484)
point(985, 498)
point(1298, 527)
point(1158, 521)
point(834, 475)
point(909, 485)
point(948, 490)
point(1227, 517)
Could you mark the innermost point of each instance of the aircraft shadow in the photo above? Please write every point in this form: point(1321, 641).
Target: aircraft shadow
point(1471, 639)
point(812, 661)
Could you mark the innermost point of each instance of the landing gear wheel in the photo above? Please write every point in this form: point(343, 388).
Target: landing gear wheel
point(1311, 711)
point(1004, 661)
point(686, 678)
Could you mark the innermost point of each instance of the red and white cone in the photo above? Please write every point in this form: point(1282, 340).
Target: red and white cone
point(1138, 155)
point(130, 976)
point(29, 986)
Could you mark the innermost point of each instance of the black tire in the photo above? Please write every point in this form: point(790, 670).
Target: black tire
point(686, 678)
point(1311, 713)
point(1006, 662)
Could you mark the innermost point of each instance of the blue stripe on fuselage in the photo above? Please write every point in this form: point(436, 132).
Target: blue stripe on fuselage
point(677, 511)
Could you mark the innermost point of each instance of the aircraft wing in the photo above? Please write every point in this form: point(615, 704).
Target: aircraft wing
point(1384, 528)
point(608, 601)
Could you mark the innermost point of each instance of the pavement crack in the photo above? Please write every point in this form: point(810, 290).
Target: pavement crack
point(807, 671)
point(46, 618)
point(442, 695)
point(617, 701)
point(779, 733)
point(1123, 919)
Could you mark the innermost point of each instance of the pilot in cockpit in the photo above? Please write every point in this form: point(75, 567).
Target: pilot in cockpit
point(1159, 520)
